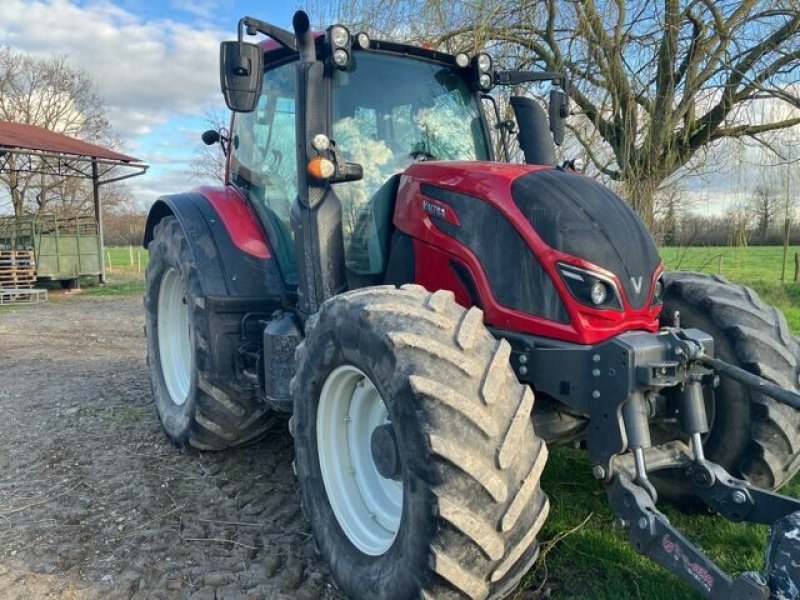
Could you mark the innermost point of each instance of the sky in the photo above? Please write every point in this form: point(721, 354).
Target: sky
point(155, 64)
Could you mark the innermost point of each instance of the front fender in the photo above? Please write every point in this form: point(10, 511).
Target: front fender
point(229, 248)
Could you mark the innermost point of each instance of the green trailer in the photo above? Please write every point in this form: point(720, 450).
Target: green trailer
point(65, 246)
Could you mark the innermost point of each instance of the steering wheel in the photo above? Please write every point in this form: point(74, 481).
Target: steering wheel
point(422, 155)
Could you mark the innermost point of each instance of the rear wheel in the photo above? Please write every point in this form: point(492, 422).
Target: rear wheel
point(751, 435)
point(416, 457)
point(196, 407)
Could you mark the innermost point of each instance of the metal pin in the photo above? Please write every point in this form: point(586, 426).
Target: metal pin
point(697, 447)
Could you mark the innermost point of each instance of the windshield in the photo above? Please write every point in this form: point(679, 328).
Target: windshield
point(388, 112)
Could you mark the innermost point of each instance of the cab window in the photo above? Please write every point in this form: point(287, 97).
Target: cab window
point(389, 111)
point(264, 163)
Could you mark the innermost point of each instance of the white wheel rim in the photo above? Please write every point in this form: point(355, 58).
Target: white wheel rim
point(174, 337)
point(367, 506)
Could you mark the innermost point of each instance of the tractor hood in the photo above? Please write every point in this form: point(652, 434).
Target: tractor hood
point(496, 234)
point(580, 217)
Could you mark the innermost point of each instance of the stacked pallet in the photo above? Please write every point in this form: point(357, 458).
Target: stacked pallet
point(18, 277)
point(17, 269)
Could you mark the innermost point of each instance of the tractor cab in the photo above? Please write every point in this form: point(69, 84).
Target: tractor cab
point(383, 106)
point(386, 111)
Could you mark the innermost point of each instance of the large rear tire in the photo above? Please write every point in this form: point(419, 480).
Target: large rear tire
point(752, 436)
point(459, 507)
point(196, 406)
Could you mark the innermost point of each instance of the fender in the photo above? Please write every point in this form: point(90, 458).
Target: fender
point(232, 254)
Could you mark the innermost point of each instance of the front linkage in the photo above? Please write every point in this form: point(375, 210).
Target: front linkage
point(617, 385)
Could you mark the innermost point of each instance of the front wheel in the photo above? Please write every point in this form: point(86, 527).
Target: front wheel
point(751, 435)
point(415, 453)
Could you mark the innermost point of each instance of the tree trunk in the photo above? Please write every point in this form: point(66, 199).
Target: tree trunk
point(17, 196)
point(641, 194)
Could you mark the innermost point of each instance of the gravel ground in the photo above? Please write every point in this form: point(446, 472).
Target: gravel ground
point(95, 503)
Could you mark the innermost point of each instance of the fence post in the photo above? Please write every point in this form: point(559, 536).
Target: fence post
point(797, 266)
point(786, 229)
point(719, 266)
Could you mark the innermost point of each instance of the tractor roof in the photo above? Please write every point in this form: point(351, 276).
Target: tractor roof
point(269, 45)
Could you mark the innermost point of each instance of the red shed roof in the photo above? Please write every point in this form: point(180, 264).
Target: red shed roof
point(19, 136)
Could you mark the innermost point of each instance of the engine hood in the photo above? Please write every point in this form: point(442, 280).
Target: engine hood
point(580, 217)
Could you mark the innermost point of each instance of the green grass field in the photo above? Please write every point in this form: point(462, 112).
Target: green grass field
point(124, 272)
point(756, 266)
point(583, 556)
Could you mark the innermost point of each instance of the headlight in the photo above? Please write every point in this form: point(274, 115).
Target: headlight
point(340, 57)
point(484, 62)
point(658, 293)
point(485, 81)
point(598, 293)
point(362, 39)
point(462, 60)
point(339, 35)
point(590, 288)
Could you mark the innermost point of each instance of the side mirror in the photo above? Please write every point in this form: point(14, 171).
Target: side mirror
point(210, 137)
point(241, 73)
point(559, 109)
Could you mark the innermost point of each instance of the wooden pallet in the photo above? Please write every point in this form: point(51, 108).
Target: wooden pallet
point(22, 296)
point(17, 282)
point(17, 269)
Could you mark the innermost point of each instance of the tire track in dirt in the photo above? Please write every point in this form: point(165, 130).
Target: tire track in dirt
point(94, 502)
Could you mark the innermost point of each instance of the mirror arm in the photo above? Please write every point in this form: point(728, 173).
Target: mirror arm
point(253, 26)
point(224, 140)
point(345, 171)
point(517, 77)
point(502, 126)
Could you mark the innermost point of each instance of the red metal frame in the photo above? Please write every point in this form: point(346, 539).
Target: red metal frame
point(434, 250)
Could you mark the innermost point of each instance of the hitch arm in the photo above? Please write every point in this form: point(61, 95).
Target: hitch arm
point(653, 536)
point(753, 381)
point(735, 499)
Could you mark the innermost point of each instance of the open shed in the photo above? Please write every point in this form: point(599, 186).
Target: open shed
point(69, 247)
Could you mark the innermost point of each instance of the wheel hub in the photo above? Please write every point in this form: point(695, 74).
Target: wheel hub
point(385, 453)
point(174, 336)
point(359, 460)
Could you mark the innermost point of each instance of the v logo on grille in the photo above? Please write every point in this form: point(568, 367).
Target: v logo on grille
point(637, 284)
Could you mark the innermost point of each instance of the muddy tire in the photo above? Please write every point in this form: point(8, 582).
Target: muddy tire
point(194, 407)
point(462, 461)
point(752, 436)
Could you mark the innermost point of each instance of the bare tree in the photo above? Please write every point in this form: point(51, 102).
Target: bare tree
point(765, 205)
point(659, 82)
point(737, 222)
point(48, 93)
point(671, 206)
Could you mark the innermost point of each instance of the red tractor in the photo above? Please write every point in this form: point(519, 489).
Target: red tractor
point(375, 266)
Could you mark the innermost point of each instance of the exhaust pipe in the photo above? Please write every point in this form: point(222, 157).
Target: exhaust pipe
point(305, 40)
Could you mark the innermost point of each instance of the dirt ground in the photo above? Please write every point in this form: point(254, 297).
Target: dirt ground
point(95, 503)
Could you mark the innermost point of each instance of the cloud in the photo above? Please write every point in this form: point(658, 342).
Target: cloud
point(156, 75)
point(146, 70)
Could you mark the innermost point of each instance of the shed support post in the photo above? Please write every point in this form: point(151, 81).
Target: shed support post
point(98, 216)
